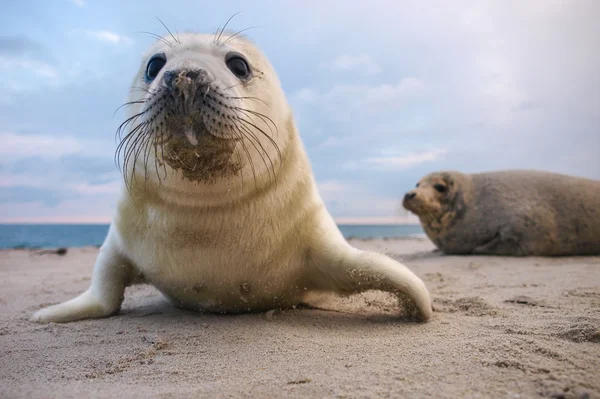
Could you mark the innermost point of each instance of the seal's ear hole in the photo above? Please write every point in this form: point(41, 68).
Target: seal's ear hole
point(440, 188)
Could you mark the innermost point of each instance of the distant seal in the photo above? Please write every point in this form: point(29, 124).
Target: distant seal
point(219, 208)
point(514, 212)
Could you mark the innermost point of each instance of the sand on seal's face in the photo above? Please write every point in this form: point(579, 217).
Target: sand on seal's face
point(503, 327)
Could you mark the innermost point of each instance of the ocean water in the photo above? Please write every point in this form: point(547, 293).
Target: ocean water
point(81, 235)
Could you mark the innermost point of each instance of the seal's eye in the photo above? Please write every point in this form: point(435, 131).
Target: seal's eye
point(238, 65)
point(440, 188)
point(154, 66)
point(417, 185)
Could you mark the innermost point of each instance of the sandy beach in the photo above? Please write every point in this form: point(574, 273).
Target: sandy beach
point(502, 328)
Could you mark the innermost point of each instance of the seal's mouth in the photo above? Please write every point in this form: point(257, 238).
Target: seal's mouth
point(190, 127)
point(413, 207)
point(419, 205)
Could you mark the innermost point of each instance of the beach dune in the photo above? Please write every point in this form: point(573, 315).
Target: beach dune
point(502, 328)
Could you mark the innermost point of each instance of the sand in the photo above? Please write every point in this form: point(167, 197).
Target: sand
point(502, 328)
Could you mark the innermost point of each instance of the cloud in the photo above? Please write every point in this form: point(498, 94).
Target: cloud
point(363, 62)
point(391, 160)
point(19, 46)
point(111, 37)
point(25, 65)
point(307, 95)
point(330, 142)
point(47, 170)
point(17, 146)
point(25, 194)
point(359, 104)
point(363, 94)
point(52, 190)
point(38, 68)
point(79, 3)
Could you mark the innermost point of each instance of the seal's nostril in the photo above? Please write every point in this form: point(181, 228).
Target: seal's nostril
point(410, 196)
point(169, 77)
point(192, 74)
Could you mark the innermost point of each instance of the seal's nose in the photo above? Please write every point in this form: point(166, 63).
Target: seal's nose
point(169, 78)
point(185, 77)
point(410, 196)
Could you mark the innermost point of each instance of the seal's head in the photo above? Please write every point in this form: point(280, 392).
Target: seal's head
point(435, 196)
point(205, 111)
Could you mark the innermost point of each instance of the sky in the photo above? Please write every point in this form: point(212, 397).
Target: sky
point(383, 93)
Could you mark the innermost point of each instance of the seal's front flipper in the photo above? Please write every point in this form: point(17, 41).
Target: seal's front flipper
point(358, 271)
point(112, 273)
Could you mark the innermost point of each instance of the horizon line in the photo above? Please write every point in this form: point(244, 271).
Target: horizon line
point(390, 220)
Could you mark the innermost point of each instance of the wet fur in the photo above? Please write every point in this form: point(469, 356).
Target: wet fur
point(517, 212)
point(251, 234)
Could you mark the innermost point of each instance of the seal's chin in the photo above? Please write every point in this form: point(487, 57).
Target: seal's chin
point(201, 158)
point(410, 205)
point(421, 209)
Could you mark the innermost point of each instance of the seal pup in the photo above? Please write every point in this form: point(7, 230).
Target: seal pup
point(219, 208)
point(512, 213)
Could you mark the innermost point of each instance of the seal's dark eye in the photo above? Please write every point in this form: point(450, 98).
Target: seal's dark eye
point(440, 188)
point(417, 185)
point(154, 66)
point(238, 66)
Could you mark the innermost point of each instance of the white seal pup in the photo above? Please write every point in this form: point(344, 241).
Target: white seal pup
point(219, 208)
point(510, 213)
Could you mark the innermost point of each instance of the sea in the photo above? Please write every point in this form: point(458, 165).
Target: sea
point(47, 236)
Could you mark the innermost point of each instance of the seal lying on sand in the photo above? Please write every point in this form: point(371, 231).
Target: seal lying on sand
point(219, 208)
point(518, 212)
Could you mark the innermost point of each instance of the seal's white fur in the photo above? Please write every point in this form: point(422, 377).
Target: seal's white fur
point(242, 243)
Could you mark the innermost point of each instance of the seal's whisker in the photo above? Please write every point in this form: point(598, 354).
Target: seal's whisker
point(143, 89)
point(176, 33)
point(168, 30)
point(155, 145)
point(246, 129)
point(246, 98)
point(127, 122)
point(237, 135)
point(130, 152)
point(159, 37)
point(273, 143)
point(123, 144)
point(147, 148)
point(225, 26)
point(232, 86)
point(129, 145)
point(162, 153)
point(127, 104)
point(252, 138)
point(262, 117)
point(238, 32)
point(137, 150)
point(249, 161)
